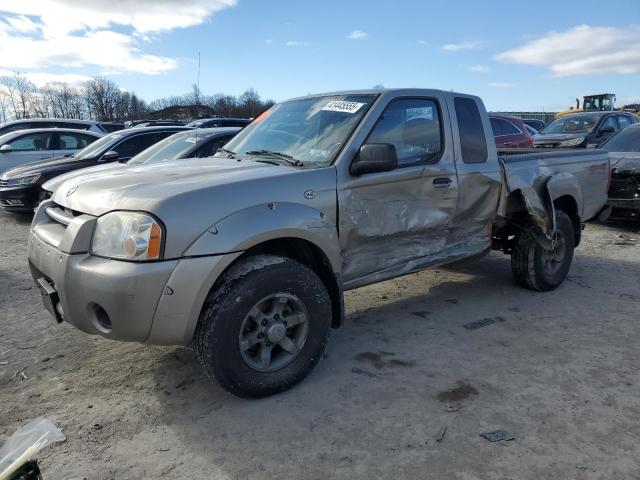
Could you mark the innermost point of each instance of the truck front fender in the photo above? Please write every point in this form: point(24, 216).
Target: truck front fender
point(254, 225)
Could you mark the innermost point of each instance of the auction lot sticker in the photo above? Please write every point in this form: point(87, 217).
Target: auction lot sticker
point(342, 106)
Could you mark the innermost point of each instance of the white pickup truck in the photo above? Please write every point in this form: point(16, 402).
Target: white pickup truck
point(246, 255)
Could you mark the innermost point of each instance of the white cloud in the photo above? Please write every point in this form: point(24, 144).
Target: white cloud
point(454, 47)
point(501, 84)
point(297, 43)
point(142, 15)
point(42, 78)
point(74, 34)
point(582, 50)
point(22, 24)
point(479, 68)
point(103, 48)
point(422, 42)
point(357, 35)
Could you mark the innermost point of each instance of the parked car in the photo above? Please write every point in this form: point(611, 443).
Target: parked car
point(535, 123)
point(31, 123)
point(509, 131)
point(246, 255)
point(624, 190)
point(197, 143)
point(580, 130)
point(219, 122)
point(21, 147)
point(21, 187)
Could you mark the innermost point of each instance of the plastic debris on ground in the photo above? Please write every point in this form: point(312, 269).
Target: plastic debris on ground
point(25, 443)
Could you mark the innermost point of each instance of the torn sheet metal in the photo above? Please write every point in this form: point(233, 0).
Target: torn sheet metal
point(394, 228)
point(625, 163)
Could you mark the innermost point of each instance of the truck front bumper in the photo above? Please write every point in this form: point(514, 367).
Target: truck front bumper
point(153, 302)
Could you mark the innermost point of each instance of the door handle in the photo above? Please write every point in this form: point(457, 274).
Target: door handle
point(442, 182)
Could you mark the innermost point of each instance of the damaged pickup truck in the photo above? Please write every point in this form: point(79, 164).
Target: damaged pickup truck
point(245, 256)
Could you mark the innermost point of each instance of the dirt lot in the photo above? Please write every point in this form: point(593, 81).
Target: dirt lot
point(558, 371)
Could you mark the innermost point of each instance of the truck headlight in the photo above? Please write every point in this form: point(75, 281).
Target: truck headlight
point(571, 143)
point(127, 236)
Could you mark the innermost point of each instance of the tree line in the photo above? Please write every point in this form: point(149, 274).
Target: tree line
point(101, 99)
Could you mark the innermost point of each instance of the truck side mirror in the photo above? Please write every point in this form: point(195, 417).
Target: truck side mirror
point(110, 156)
point(5, 148)
point(374, 158)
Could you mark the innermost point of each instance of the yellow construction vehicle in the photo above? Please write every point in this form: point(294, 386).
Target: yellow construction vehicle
point(601, 102)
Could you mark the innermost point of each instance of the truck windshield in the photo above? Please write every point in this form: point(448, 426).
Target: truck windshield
point(310, 131)
point(573, 124)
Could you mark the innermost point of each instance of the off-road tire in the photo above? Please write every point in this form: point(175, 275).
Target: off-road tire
point(527, 258)
point(227, 305)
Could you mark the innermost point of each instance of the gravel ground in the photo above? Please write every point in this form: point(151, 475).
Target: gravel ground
point(558, 371)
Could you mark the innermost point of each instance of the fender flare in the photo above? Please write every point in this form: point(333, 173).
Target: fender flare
point(254, 225)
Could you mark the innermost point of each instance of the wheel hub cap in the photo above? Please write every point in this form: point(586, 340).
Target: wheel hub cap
point(273, 332)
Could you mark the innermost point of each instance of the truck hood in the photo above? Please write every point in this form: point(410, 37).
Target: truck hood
point(55, 182)
point(189, 196)
point(625, 162)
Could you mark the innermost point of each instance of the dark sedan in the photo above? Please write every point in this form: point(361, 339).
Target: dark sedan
point(21, 187)
point(624, 190)
point(581, 130)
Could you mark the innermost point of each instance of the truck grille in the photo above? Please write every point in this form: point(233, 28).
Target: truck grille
point(4, 183)
point(59, 214)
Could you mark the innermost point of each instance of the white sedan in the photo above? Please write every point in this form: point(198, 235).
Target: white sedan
point(27, 146)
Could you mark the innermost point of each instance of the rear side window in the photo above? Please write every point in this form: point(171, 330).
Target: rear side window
point(74, 141)
point(624, 121)
point(503, 127)
point(473, 142)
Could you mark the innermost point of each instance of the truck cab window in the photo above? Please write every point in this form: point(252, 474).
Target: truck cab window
point(413, 127)
point(473, 141)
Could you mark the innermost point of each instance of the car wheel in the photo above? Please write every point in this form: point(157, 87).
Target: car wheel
point(264, 327)
point(540, 269)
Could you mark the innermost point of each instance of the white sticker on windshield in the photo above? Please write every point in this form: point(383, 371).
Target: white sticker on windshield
point(342, 106)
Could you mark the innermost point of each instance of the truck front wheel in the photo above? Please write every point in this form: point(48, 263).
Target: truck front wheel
point(264, 328)
point(540, 269)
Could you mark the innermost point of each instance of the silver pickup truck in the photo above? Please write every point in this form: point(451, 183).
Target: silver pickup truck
point(246, 255)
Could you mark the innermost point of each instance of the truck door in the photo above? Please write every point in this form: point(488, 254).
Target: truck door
point(479, 178)
point(393, 222)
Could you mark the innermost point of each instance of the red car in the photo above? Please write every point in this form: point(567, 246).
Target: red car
point(509, 131)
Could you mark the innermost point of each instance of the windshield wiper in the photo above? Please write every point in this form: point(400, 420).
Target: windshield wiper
point(282, 156)
point(229, 153)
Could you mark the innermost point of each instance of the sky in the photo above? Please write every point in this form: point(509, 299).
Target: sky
point(535, 56)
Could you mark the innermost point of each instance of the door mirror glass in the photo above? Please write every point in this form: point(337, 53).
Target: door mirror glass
point(110, 156)
point(5, 149)
point(375, 157)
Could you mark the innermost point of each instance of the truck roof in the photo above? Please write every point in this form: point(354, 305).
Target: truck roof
point(379, 91)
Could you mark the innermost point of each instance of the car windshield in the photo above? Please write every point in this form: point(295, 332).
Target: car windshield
point(628, 140)
point(171, 148)
point(311, 130)
point(99, 146)
point(573, 124)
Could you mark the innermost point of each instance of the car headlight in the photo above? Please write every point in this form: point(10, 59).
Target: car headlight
point(127, 236)
point(17, 182)
point(572, 143)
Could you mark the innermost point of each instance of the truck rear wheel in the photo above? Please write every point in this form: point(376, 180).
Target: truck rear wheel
point(264, 328)
point(539, 269)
